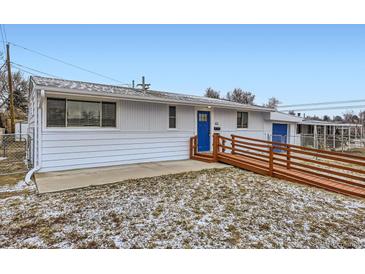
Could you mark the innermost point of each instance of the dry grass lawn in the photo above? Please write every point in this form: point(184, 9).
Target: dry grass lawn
point(225, 208)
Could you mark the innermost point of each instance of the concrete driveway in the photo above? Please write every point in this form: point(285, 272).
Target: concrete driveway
point(64, 180)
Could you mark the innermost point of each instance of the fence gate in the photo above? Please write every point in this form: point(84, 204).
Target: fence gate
point(15, 154)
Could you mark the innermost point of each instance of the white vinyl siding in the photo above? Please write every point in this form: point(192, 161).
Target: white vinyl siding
point(71, 150)
point(143, 136)
point(154, 117)
point(227, 120)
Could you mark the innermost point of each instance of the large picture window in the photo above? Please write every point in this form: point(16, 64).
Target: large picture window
point(76, 113)
point(242, 119)
point(83, 114)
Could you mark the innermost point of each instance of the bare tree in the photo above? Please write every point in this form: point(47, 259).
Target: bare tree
point(211, 93)
point(362, 117)
point(240, 96)
point(20, 90)
point(348, 117)
point(273, 102)
point(314, 117)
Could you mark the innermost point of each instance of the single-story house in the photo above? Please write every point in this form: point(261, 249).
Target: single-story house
point(77, 124)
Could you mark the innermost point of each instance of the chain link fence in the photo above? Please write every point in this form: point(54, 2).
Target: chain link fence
point(15, 154)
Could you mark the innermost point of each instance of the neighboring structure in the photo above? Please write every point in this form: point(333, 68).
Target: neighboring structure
point(330, 135)
point(21, 131)
point(82, 125)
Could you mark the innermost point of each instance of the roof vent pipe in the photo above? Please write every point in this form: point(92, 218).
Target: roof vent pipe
point(143, 85)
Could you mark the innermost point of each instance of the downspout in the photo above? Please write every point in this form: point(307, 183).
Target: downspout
point(29, 175)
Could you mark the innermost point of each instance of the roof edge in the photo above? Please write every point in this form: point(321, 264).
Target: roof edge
point(147, 99)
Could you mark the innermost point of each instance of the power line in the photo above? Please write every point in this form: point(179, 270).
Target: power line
point(328, 108)
point(323, 103)
point(19, 66)
point(66, 63)
point(24, 70)
point(3, 37)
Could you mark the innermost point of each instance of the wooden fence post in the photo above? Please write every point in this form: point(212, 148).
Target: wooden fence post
point(223, 145)
point(271, 161)
point(195, 144)
point(215, 146)
point(288, 158)
point(191, 148)
point(233, 144)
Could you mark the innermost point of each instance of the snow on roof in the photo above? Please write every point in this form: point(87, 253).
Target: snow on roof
point(281, 116)
point(127, 92)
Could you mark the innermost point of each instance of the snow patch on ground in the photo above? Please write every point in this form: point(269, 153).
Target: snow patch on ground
point(21, 185)
point(223, 208)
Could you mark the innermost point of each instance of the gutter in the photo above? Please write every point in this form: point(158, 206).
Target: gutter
point(30, 173)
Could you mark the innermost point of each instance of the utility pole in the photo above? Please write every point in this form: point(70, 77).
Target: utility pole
point(132, 83)
point(10, 83)
point(144, 85)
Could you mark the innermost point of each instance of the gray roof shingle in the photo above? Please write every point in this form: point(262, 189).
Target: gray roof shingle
point(45, 82)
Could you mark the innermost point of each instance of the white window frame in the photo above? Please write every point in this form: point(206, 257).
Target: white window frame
point(168, 117)
point(81, 128)
point(248, 120)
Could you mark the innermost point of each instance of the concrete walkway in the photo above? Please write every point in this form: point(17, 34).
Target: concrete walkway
point(63, 180)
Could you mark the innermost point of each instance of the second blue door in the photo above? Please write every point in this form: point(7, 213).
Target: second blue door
point(279, 134)
point(203, 130)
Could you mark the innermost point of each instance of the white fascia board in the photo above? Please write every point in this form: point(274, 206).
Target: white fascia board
point(141, 99)
point(282, 117)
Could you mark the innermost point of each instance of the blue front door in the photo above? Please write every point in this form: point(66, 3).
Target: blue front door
point(203, 131)
point(279, 134)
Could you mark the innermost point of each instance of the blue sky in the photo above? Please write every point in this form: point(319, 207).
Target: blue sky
point(295, 63)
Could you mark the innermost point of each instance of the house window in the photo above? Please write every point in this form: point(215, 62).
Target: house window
point(83, 114)
point(76, 113)
point(299, 129)
point(203, 117)
point(56, 112)
point(242, 119)
point(109, 112)
point(172, 117)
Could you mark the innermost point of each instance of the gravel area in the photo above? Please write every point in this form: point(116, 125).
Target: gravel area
point(222, 208)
